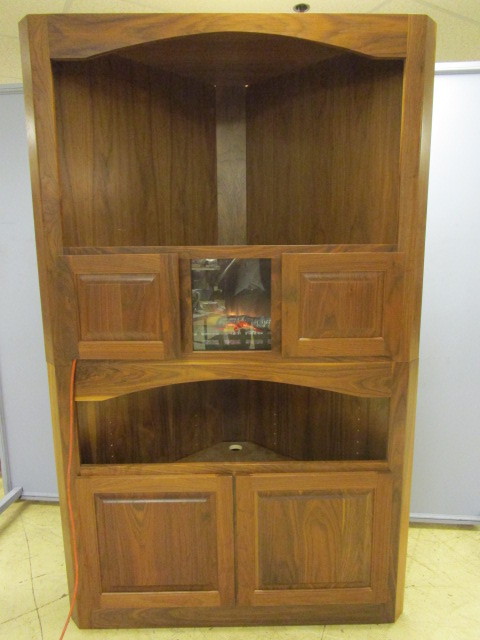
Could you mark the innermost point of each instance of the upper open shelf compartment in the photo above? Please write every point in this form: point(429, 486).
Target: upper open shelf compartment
point(228, 138)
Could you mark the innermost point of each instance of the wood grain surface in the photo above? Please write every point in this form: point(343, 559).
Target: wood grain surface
point(145, 552)
point(343, 305)
point(306, 539)
point(80, 36)
point(414, 163)
point(322, 154)
point(231, 59)
point(103, 379)
point(192, 422)
point(136, 153)
point(128, 306)
point(320, 164)
point(231, 164)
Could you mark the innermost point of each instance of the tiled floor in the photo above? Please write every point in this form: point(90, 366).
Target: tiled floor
point(442, 595)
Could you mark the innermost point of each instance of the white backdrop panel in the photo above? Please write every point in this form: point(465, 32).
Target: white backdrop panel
point(446, 477)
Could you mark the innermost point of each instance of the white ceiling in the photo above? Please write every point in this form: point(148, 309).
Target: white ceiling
point(458, 21)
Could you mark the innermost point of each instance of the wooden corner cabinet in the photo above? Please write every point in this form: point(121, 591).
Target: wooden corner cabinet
point(230, 215)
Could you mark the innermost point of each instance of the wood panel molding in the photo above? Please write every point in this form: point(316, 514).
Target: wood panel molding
point(134, 533)
point(342, 305)
point(143, 157)
point(332, 560)
point(102, 380)
point(84, 36)
point(128, 306)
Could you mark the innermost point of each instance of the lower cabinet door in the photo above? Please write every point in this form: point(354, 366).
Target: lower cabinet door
point(166, 542)
point(307, 539)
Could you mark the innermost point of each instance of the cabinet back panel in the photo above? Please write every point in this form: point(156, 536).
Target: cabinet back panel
point(136, 154)
point(323, 154)
point(170, 423)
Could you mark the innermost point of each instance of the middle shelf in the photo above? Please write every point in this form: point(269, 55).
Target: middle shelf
point(199, 421)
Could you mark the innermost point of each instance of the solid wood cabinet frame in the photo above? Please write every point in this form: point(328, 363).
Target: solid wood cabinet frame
point(214, 486)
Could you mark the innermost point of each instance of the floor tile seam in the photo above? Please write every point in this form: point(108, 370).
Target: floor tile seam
point(31, 578)
point(465, 593)
point(465, 563)
point(25, 613)
point(47, 604)
point(14, 516)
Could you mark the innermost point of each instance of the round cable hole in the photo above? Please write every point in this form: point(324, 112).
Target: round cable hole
point(301, 8)
point(235, 447)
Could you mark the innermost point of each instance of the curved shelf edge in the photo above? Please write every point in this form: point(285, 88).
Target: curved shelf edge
point(82, 36)
point(100, 380)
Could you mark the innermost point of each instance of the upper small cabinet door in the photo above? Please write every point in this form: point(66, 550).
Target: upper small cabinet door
point(346, 304)
point(128, 305)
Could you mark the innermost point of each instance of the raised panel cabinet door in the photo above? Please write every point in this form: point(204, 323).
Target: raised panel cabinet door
point(167, 543)
point(308, 539)
point(341, 304)
point(127, 305)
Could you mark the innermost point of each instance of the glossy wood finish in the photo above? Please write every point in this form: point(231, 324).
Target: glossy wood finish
point(82, 36)
point(138, 160)
point(233, 452)
point(127, 306)
point(414, 163)
point(179, 422)
point(240, 251)
point(103, 379)
point(134, 532)
point(127, 173)
point(322, 154)
point(231, 161)
point(317, 539)
point(342, 305)
point(226, 59)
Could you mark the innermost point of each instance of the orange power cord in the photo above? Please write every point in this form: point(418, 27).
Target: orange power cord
point(73, 534)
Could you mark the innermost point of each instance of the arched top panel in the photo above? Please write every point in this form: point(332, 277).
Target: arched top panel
point(103, 380)
point(83, 36)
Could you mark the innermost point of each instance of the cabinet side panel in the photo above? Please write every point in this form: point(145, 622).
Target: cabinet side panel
point(113, 167)
point(313, 424)
point(322, 154)
point(414, 164)
point(39, 105)
point(136, 153)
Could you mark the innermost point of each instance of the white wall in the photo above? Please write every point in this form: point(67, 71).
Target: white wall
point(26, 408)
point(446, 476)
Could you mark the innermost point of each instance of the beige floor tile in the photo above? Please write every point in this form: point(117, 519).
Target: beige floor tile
point(442, 599)
point(13, 544)
point(26, 627)
point(45, 542)
point(16, 592)
point(445, 557)
point(50, 587)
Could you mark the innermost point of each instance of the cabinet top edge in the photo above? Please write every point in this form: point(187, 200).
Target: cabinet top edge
point(83, 35)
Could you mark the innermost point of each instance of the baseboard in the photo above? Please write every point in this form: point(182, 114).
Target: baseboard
point(435, 518)
point(40, 497)
point(415, 518)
